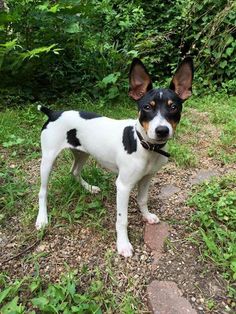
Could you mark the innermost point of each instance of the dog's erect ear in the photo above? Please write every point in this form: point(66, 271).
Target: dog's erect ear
point(182, 80)
point(139, 80)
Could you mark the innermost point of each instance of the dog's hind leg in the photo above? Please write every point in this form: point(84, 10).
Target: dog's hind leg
point(48, 159)
point(80, 159)
point(142, 199)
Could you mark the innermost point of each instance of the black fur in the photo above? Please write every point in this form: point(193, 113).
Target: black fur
point(128, 140)
point(88, 115)
point(52, 115)
point(72, 138)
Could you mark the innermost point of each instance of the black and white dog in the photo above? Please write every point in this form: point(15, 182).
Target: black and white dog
point(134, 149)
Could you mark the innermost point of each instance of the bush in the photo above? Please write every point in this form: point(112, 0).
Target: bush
point(67, 45)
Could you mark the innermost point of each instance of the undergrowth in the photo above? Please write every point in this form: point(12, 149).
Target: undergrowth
point(68, 295)
point(221, 110)
point(215, 222)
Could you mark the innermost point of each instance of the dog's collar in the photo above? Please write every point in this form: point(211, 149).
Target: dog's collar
point(153, 147)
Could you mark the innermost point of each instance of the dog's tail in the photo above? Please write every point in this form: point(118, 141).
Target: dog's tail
point(45, 110)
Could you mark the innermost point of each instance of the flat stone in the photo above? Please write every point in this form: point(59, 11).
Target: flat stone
point(168, 190)
point(202, 175)
point(164, 297)
point(155, 235)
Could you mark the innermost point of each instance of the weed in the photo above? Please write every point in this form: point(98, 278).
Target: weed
point(13, 190)
point(20, 130)
point(182, 154)
point(210, 304)
point(221, 110)
point(215, 220)
point(32, 295)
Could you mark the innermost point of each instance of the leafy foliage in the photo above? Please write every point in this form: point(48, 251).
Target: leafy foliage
point(86, 46)
point(215, 216)
point(67, 295)
point(59, 297)
point(71, 44)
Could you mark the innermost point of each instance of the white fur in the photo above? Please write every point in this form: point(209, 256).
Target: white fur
point(102, 138)
point(159, 120)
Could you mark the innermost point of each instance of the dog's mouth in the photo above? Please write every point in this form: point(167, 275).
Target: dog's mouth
point(159, 140)
point(162, 140)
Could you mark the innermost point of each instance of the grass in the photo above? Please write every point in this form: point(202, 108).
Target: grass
point(215, 223)
point(221, 110)
point(68, 295)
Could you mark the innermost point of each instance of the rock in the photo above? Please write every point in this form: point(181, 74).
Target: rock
point(202, 175)
point(164, 297)
point(167, 191)
point(154, 237)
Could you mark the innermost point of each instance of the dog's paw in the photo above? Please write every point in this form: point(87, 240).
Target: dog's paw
point(95, 189)
point(151, 218)
point(41, 222)
point(125, 249)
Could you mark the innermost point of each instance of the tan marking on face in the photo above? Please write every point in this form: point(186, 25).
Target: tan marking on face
point(169, 102)
point(145, 126)
point(173, 124)
point(152, 103)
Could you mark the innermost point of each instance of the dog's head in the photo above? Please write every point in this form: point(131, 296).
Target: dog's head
point(160, 109)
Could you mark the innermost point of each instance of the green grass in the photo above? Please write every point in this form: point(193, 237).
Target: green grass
point(68, 295)
point(77, 205)
point(215, 222)
point(222, 112)
point(182, 154)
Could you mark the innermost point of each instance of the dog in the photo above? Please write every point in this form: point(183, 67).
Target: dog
point(134, 149)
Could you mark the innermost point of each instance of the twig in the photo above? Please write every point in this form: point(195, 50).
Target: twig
point(22, 252)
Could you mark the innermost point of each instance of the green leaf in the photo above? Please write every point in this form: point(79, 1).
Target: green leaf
point(111, 78)
point(40, 302)
point(229, 51)
point(4, 294)
point(34, 285)
point(73, 28)
point(55, 8)
point(12, 307)
point(223, 64)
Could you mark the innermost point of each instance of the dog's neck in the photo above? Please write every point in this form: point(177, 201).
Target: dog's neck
point(140, 129)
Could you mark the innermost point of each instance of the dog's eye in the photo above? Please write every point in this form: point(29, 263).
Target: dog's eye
point(173, 107)
point(147, 107)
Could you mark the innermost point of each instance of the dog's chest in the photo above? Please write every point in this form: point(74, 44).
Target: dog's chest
point(109, 165)
point(154, 162)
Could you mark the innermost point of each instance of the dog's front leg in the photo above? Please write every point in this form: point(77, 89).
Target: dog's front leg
point(142, 199)
point(124, 247)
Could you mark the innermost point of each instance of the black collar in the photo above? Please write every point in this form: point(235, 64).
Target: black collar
point(153, 147)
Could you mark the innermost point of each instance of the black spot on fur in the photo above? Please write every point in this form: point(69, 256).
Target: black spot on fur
point(88, 115)
point(72, 138)
point(54, 115)
point(128, 140)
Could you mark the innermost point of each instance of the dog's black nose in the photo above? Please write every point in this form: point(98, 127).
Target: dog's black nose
point(162, 131)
